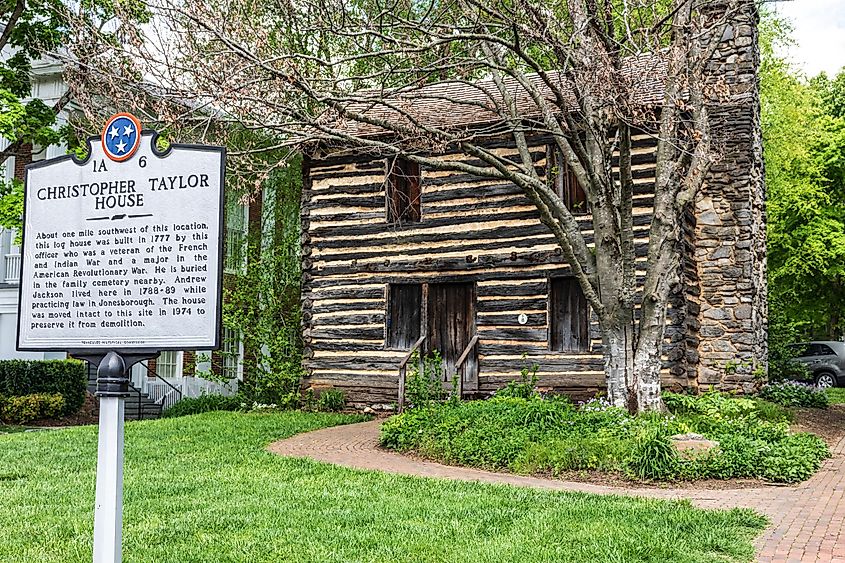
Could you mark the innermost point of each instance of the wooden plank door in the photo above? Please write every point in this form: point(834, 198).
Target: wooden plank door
point(451, 326)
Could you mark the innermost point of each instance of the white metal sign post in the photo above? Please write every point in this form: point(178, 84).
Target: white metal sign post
point(122, 259)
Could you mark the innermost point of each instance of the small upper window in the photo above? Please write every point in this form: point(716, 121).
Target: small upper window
point(565, 183)
point(403, 191)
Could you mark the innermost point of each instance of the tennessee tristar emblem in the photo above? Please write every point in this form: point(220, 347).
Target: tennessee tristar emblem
point(121, 136)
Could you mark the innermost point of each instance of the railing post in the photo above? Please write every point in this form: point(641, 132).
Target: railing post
point(402, 371)
point(460, 364)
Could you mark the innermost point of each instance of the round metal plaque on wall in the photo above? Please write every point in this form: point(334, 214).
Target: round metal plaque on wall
point(522, 318)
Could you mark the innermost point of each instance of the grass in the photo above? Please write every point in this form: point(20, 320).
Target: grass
point(203, 488)
point(836, 395)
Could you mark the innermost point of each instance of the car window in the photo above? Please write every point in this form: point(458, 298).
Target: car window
point(825, 350)
point(801, 350)
point(813, 350)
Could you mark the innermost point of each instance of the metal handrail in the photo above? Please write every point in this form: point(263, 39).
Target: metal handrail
point(139, 407)
point(162, 379)
point(463, 357)
point(403, 370)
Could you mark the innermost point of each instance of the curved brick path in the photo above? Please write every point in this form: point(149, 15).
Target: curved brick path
point(807, 521)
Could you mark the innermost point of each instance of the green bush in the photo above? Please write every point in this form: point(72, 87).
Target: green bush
point(794, 458)
point(331, 400)
point(653, 457)
point(525, 387)
point(203, 403)
point(279, 386)
point(22, 409)
point(795, 394)
point(551, 435)
point(63, 377)
point(424, 383)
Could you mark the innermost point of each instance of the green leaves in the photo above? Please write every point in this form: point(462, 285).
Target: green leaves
point(804, 138)
point(11, 206)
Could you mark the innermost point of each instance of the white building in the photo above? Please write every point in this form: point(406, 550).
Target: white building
point(48, 85)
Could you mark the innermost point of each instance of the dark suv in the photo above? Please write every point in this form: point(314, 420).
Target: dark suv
point(825, 360)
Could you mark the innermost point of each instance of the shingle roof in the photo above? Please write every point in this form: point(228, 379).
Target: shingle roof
point(454, 103)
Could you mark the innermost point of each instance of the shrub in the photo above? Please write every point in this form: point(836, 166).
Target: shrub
point(424, 383)
point(795, 394)
point(63, 377)
point(279, 386)
point(550, 435)
point(653, 458)
point(331, 400)
point(525, 387)
point(203, 403)
point(22, 409)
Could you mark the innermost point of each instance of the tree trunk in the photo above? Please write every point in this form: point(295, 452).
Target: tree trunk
point(647, 364)
point(618, 340)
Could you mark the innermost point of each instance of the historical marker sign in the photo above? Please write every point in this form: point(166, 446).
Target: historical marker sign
point(123, 251)
point(122, 258)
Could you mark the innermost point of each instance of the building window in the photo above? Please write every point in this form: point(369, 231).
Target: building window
point(404, 315)
point(231, 353)
point(236, 229)
point(403, 191)
point(566, 184)
point(168, 364)
point(569, 316)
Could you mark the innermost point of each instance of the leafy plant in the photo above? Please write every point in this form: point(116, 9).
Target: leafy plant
point(653, 457)
point(795, 394)
point(550, 435)
point(525, 387)
point(22, 409)
point(424, 383)
point(331, 400)
point(794, 458)
point(64, 377)
point(279, 386)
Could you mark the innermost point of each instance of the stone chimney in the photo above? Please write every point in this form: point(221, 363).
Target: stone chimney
point(726, 293)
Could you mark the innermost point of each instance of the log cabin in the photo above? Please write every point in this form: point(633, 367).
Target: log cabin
point(397, 256)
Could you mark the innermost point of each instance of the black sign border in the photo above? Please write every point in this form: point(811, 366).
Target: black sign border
point(139, 350)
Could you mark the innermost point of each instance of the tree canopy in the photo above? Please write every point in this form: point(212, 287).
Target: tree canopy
point(31, 30)
point(804, 136)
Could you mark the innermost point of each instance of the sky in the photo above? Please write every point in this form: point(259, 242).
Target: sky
point(819, 33)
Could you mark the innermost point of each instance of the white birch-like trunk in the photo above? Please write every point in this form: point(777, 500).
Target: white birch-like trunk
point(618, 343)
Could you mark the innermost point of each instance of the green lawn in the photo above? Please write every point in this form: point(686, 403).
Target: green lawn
point(836, 395)
point(203, 488)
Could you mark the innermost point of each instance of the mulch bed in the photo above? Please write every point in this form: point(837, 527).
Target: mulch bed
point(828, 424)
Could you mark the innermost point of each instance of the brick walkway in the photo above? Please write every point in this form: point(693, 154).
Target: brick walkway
point(807, 520)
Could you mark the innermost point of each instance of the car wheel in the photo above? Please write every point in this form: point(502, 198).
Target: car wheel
point(825, 380)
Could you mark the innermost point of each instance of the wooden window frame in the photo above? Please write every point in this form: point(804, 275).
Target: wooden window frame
point(565, 185)
point(410, 174)
point(587, 345)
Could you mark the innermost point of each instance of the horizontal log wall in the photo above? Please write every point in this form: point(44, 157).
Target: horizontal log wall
point(471, 230)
